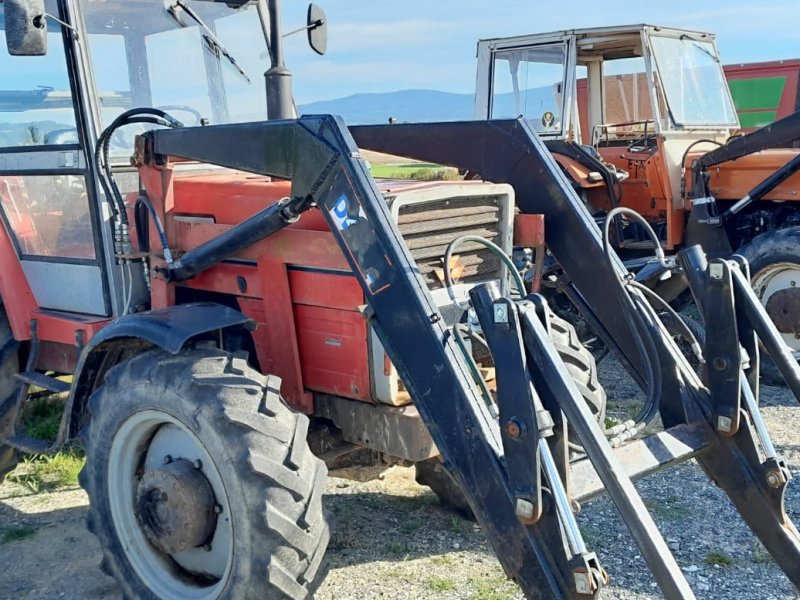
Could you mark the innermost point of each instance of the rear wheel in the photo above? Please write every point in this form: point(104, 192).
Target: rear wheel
point(9, 387)
point(774, 259)
point(581, 366)
point(201, 481)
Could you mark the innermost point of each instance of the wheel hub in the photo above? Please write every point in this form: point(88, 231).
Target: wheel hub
point(175, 506)
point(783, 307)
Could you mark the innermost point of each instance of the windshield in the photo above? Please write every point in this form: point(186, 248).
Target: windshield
point(529, 82)
point(35, 96)
point(693, 82)
point(197, 60)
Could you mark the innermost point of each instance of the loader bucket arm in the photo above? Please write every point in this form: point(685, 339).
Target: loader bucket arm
point(320, 158)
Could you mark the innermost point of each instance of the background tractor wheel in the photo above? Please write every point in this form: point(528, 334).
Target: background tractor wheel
point(581, 366)
point(775, 274)
point(9, 387)
point(201, 481)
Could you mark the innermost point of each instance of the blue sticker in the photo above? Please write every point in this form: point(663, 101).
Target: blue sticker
point(340, 214)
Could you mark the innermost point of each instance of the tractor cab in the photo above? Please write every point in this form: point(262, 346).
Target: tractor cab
point(86, 64)
point(639, 95)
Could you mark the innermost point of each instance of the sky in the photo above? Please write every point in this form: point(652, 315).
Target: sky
point(382, 46)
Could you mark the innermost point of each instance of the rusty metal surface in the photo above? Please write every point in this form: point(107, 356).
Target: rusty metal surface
point(783, 307)
point(396, 430)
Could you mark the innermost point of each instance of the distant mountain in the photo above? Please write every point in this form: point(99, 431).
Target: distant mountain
point(425, 105)
point(405, 105)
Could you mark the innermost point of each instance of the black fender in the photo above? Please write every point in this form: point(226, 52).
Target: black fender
point(166, 328)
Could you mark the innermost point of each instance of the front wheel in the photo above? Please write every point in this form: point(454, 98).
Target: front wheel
point(774, 259)
point(201, 481)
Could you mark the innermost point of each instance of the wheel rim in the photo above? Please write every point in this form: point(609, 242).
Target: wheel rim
point(140, 446)
point(769, 281)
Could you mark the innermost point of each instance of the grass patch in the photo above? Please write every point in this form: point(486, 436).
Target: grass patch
point(718, 558)
point(43, 473)
point(441, 584)
point(415, 171)
point(14, 534)
point(410, 526)
point(669, 509)
point(491, 588)
point(456, 524)
point(444, 560)
point(398, 548)
point(42, 416)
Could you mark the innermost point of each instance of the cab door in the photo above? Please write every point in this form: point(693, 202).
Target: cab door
point(45, 187)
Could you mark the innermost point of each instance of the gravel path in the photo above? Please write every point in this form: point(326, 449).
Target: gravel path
point(392, 540)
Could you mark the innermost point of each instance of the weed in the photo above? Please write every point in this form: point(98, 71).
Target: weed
point(456, 525)
point(42, 417)
point(14, 534)
point(398, 548)
point(668, 508)
point(410, 526)
point(441, 584)
point(43, 473)
point(718, 558)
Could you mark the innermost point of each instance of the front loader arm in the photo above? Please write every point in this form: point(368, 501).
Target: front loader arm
point(321, 159)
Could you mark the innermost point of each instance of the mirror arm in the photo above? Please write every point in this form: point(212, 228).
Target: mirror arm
point(314, 25)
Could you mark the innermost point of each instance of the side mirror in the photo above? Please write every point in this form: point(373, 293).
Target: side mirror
point(26, 27)
point(317, 26)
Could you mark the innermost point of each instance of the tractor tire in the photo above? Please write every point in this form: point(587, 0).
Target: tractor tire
point(774, 259)
point(9, 387)
point(201, 481)
point(581, 366)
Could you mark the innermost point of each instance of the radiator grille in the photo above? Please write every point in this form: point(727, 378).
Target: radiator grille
point(428, 228)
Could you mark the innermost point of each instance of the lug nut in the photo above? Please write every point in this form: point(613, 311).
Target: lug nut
point(167, 459)
point(198, 464)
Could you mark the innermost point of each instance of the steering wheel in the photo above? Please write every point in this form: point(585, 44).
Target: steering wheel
point(647, 143)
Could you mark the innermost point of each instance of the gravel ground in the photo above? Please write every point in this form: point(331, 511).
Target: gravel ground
point(392, 540)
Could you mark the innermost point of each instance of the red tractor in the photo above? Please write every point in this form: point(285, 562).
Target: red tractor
point(240, 307)
point(641, 117)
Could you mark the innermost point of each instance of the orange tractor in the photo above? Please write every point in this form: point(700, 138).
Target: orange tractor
point(641, 117)
point(239, 307)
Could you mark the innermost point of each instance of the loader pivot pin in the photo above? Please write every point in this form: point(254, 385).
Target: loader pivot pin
point(175, 507)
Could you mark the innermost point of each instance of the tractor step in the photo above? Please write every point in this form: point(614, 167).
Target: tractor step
point(30, 445)
point(43, 381)
point(643, 457)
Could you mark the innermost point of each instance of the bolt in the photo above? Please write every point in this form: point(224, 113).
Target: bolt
point(524, 509)
point(217, 509)
point(198, 464)
point(167, 459)
point(583, 582)
point(513, 428)
point(793, 283)
point(575, 506)
point(719, 363)
point(724, 424)
point(774, 479)
point(207, 547)
point(715, 271)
